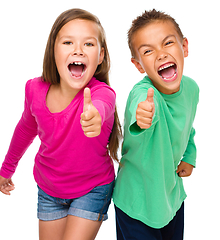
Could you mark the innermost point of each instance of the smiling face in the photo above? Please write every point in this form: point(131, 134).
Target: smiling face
point(77, 53)
point(160, 52)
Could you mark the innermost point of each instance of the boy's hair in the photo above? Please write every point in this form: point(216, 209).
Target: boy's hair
point(146, 18)
point(50, 73)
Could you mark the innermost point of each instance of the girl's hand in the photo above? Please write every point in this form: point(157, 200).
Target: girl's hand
point(145, 111)
point(184, 169)
point(6, 185)
point(90, 118)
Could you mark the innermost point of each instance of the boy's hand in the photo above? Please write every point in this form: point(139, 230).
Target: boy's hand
point(184, 169)
point(90, 118)
point(145, 111)
point(6, 185)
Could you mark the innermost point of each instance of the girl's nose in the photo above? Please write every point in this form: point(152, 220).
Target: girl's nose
point(77, 51)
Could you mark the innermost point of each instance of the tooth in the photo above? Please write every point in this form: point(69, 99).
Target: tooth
point(77, 63)
point(164, 67)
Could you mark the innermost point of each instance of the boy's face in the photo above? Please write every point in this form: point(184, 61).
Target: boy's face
point(160, 53)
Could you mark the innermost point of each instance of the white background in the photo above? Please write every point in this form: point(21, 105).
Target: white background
point(24, 29)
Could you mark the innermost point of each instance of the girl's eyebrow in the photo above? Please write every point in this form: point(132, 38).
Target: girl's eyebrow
point(164, 40)
point(71, 37)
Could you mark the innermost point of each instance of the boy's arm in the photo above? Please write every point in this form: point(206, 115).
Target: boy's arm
point(190, 154)
point(143, 110)
point(188, 161)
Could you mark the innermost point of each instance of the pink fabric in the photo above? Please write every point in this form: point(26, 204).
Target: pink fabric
point(68, 164)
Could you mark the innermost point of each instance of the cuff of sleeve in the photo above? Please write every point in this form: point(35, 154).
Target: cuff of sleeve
point(189, 160)
point(5, 174)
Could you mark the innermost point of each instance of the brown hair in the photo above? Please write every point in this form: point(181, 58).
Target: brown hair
point(146, 18)
point(50, 73)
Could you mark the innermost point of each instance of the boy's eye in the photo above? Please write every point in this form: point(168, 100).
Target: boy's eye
point(147, 52)
point(168, 43)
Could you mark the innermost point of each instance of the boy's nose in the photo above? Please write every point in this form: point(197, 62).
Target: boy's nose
point(161, 56)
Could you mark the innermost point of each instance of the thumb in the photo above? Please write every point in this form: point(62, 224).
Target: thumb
point(150, 95)
point(87, 99)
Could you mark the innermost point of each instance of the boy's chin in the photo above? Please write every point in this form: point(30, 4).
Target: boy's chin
point(167, 87)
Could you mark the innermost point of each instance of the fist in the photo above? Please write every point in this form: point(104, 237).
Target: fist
point(91, 121)
point(6, 185)
point(145, 111)
point(184, 169)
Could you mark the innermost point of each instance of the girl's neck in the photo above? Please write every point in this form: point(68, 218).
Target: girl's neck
point(59, 97)
point(66, 91)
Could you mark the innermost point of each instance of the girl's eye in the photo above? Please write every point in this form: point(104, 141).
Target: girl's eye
point(67, 43)
point(89, 44)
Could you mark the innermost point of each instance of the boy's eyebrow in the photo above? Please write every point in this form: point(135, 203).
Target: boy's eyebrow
point(171, 35)
point(164, 40)
point(144, 45)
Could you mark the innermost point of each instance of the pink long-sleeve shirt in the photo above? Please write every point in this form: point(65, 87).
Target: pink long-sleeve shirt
point(68, 164)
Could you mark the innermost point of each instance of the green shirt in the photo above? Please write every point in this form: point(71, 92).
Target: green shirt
point(147, 186)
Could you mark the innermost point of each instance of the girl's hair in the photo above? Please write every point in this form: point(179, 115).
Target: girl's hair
point(146, 18)
point(50, 73)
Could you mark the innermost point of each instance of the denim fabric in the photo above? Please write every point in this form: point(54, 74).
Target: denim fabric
point(93, 206)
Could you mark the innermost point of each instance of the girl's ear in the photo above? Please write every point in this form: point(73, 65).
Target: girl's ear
point(101, 56)
point(137, 65)
point(185, 47)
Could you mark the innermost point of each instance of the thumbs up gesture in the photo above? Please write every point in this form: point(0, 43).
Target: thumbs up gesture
point(91, 121)
point(145, 111)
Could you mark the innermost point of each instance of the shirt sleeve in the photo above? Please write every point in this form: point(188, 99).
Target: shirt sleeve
point(104, 101)
point(24, 134)
point(190, 154)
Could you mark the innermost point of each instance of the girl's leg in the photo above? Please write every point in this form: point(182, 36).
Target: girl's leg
point(52, 230)
point(80, 229)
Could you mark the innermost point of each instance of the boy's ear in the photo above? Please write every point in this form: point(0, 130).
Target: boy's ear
point(185, 47)
point(137, 65)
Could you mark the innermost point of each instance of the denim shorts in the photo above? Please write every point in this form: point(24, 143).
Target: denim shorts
point(93, 206)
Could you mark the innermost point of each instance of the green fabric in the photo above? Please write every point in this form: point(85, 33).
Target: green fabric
point(147, 186)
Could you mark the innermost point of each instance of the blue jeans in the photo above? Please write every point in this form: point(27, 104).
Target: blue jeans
point(93, 206)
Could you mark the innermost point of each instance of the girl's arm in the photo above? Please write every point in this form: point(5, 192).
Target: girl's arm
point(6, 185)
point(97, 110)
point(90, 118)
point(24, 134)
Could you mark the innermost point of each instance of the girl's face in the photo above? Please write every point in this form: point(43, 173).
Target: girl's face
point(77, 53)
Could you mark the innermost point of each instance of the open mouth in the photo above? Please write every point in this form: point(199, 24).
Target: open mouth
point(77, 69)
point(168, 71)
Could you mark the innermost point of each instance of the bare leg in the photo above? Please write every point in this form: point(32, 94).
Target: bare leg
point(80, 229)
point(52, 230)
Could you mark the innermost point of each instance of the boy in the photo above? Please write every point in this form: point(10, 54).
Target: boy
point(158, 148)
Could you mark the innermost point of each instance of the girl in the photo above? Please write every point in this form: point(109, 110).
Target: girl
point(72, 110)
